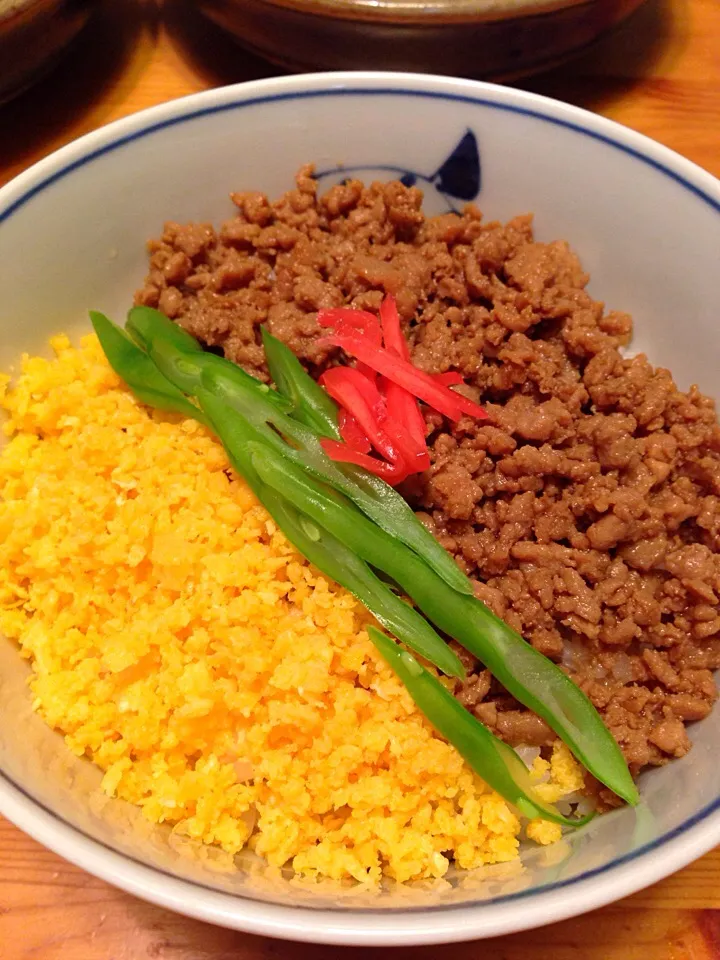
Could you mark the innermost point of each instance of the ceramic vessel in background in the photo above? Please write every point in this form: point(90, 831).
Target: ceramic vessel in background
point(489, 39)
point(33, 36)
point(646, 224)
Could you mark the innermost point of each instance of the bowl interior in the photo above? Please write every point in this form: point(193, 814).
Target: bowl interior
point(647, 229)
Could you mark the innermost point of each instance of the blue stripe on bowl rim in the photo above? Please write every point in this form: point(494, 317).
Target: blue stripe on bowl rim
point(640, 852)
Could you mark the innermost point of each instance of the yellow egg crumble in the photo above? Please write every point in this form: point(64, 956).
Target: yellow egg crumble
point(219, 681)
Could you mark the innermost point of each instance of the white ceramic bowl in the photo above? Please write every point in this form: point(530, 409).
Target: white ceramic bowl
point(647, 225)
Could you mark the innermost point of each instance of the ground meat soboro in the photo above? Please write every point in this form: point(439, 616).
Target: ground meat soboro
point(588, 511)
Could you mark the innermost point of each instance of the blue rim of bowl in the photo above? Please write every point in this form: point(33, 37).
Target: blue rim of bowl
point(657, 165)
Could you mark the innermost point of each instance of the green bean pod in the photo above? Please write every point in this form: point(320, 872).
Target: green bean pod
point(140, 317)
point(144, 324)
point(497, 763)
point(138, 370)
point(311, 404)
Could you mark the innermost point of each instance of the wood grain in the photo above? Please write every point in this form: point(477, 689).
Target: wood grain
point(660, 74)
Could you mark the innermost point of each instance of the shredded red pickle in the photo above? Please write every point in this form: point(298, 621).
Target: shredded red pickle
point(379, 396)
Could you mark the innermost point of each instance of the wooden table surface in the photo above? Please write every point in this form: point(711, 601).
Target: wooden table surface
point(660, 74)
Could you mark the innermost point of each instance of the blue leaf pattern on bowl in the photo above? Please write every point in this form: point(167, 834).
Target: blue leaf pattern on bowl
point(408, 179)
point(459, 176)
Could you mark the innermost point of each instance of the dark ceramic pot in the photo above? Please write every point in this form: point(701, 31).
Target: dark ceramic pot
point(492, 39)
point(33, 35)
